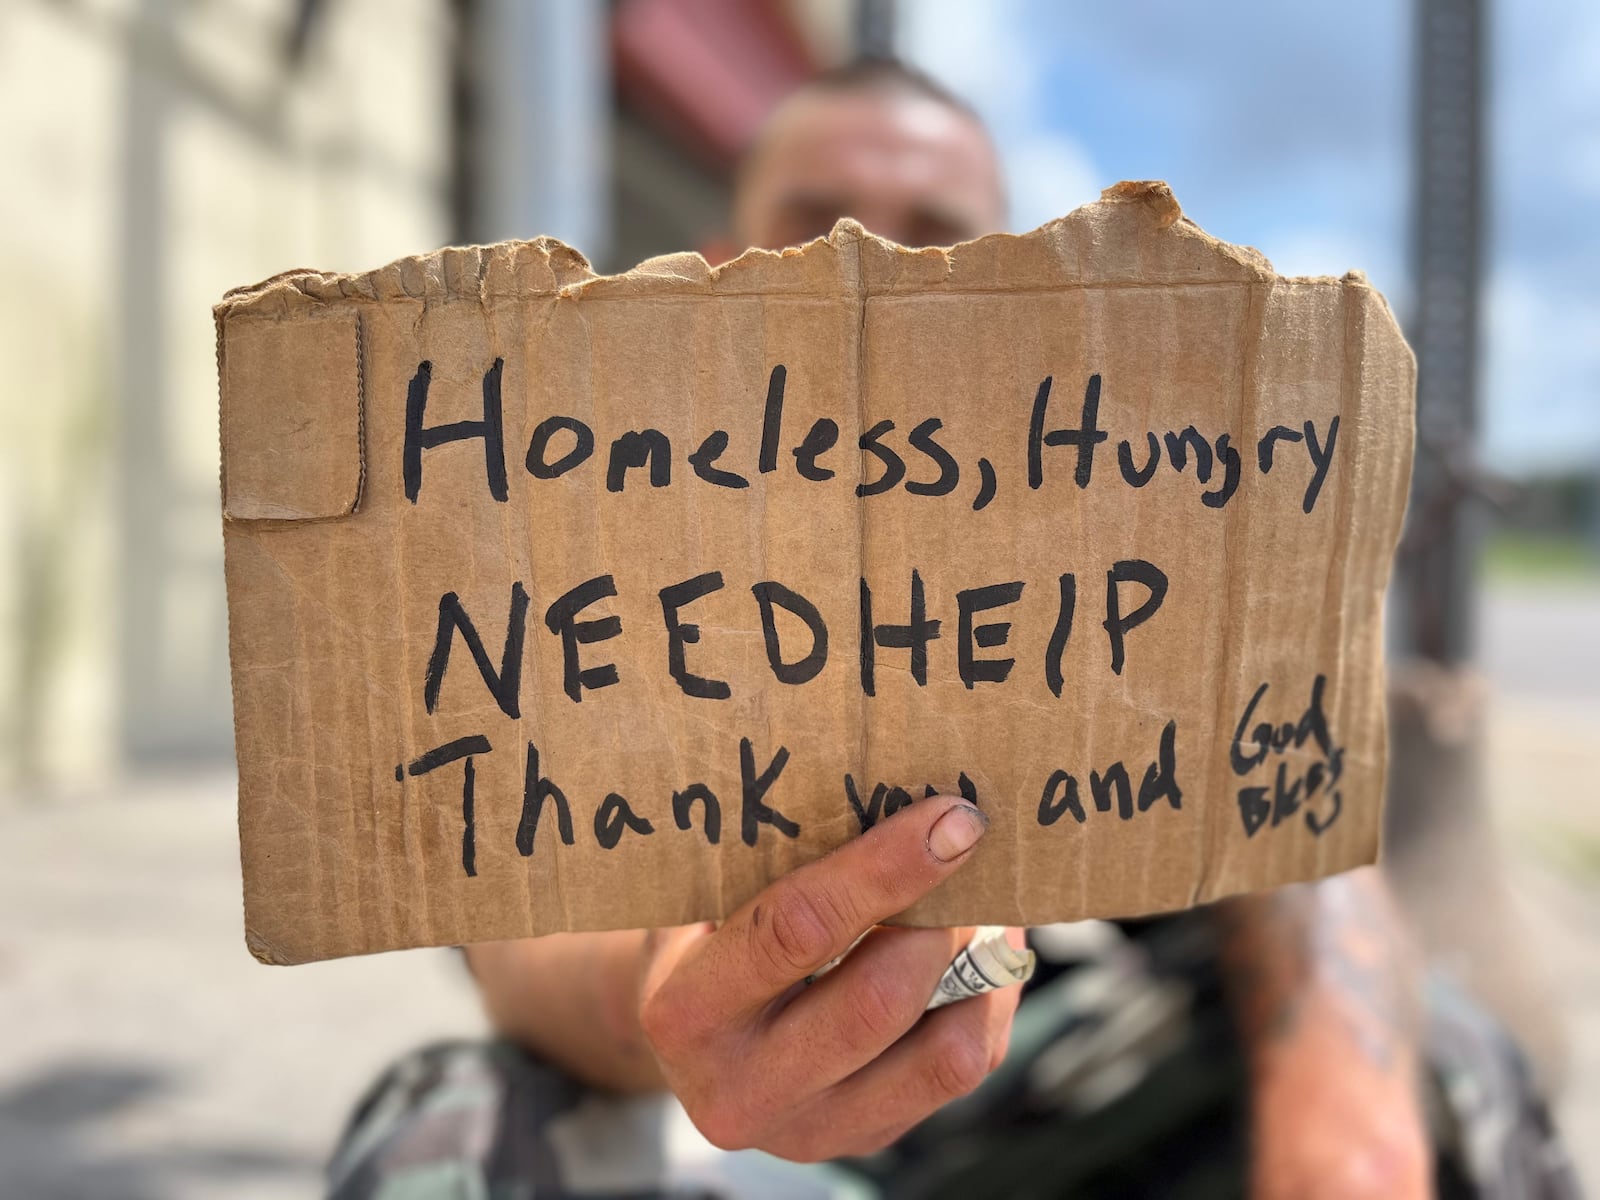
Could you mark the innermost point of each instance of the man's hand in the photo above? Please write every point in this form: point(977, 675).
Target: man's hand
point(847, 1064)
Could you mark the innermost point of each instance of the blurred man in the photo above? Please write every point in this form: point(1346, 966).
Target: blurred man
point(1273, 1038)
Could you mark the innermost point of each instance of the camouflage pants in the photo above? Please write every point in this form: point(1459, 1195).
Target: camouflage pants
point(1123, 1080)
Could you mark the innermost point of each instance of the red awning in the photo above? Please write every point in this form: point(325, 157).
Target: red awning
point(707, 72)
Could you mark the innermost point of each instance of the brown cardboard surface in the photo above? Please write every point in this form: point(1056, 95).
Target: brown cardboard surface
point(624, 740)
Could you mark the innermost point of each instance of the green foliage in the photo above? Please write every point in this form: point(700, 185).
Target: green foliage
point(1527, 557)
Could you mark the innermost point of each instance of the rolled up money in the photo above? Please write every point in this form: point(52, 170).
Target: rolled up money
point(987, 964)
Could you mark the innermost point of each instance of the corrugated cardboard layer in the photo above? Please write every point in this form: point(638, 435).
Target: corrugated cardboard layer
point(372, 818)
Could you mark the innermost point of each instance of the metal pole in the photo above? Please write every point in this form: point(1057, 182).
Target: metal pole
point(1437, 565)
point(141, 386)
point(874, 28)
point(540, 123)
point(465, 121)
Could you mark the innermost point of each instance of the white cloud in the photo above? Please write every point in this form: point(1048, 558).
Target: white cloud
point(982, 52)
point(974, 49)
point(1546, 107)
point(1326, 250)
point(1541, 382)
point(1050, 175)
point(1306, 251)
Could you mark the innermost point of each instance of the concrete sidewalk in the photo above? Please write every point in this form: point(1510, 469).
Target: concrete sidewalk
point(1544, 777)
point(144, 1055)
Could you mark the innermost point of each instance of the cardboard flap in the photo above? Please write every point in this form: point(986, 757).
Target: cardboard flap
point(291, 417)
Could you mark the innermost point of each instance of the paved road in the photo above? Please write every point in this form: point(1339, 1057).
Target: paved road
point(144, 1055)
point(1542, 642)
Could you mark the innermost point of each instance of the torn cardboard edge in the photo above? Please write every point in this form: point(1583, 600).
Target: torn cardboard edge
point(543, 266)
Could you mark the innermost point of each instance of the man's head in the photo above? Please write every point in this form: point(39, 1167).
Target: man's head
point(876, 141)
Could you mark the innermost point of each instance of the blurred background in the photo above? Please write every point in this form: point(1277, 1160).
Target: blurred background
point(158, 152)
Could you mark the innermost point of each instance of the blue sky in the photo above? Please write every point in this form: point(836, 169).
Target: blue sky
point(1287, 127)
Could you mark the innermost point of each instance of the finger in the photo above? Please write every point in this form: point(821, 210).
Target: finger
point(813, 914)
point(945, 1057)
point(1003, 1005)
point(860, 1008)
point(669, 1009)
point(998, 1013)
point(665, 949)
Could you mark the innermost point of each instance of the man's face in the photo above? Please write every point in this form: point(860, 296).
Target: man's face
point(907, 167)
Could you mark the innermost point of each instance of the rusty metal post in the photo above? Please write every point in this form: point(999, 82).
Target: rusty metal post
point(1437, 568)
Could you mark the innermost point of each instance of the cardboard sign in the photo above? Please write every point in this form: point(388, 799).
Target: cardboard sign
point(565, 602)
